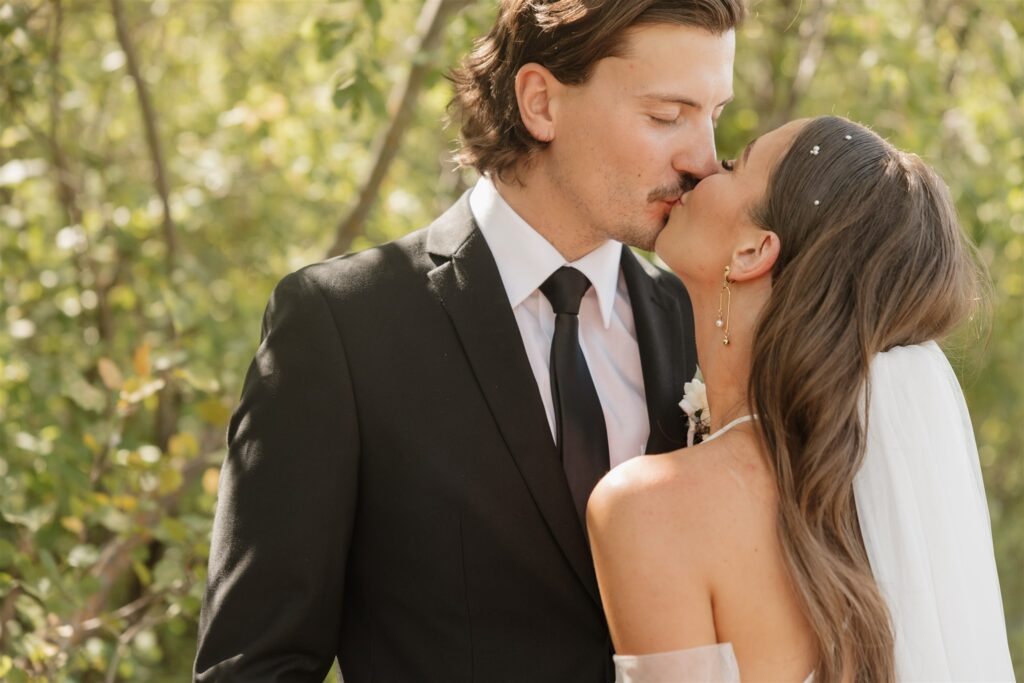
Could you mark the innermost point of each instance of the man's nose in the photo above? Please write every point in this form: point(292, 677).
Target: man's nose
point(696, 155)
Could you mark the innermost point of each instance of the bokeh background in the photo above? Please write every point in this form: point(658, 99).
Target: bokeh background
point(164, 162)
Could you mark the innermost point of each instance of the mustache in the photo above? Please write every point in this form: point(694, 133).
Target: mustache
point(667, 193)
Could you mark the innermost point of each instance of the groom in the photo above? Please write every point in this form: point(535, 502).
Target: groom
point(422, 422)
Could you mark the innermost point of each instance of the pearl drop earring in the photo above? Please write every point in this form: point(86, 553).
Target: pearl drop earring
point(724, 300)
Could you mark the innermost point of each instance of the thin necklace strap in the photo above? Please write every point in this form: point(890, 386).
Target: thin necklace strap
point(723, 430)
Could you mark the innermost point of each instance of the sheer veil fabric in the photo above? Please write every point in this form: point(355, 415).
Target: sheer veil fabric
point(924, 517)
point(925, 521)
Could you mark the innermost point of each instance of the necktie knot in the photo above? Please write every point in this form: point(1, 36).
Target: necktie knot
point(565, 289)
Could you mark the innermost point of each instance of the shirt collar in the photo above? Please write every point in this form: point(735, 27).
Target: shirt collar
point(525, 259)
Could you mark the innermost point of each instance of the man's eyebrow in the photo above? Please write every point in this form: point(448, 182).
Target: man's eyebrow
point(678, 99)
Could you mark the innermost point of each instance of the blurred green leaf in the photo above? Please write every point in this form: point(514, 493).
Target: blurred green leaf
point(33, 519)
point(81, 392)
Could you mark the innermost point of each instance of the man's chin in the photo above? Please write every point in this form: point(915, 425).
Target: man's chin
point(641, 237)
point(647, 244)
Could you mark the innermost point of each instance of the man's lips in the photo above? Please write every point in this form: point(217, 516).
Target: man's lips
point(667, 207)
point(672, 202)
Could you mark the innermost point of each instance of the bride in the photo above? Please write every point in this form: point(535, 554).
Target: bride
point(833, 525)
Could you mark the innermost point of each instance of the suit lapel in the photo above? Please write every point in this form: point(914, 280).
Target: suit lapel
point(468, 285)
point(667, 353)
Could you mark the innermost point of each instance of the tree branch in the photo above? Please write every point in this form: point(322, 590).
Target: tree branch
point(168, 400)
point(115, 557)
point(961, 36)
point(813, 35)
point(65, 189)
point(429, 31)
point(152, 138)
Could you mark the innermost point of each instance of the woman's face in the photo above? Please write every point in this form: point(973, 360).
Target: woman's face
point(706, 225)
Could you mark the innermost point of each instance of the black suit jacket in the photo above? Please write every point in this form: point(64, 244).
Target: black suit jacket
point(392, 495)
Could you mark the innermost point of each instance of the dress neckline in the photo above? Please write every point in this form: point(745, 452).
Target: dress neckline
point(723, 430)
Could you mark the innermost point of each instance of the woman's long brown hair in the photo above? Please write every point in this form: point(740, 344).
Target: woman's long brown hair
point(872, 257)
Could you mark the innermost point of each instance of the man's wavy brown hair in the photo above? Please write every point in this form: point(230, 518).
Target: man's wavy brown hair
point(568, 37)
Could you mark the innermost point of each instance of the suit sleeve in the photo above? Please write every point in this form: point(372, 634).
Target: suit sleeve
point(286, 503)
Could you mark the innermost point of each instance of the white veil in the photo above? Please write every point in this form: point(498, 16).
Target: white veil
point(923, 513)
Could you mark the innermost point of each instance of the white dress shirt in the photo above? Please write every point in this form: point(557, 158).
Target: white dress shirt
point(607, 330)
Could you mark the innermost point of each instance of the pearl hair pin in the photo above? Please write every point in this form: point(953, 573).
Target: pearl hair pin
point(817, 150)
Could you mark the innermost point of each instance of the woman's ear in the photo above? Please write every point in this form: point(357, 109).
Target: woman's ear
point(536, 89)
point(755, 257)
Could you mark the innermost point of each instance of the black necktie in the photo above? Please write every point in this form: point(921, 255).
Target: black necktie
point(580, 431)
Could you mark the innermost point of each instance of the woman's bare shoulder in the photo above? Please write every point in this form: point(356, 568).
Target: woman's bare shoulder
point(702, 490)
point(661, 528)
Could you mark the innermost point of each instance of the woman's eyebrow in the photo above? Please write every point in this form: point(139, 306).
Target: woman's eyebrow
point(746, 151)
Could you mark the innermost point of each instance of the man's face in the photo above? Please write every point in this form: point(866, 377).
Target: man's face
point(640, 131)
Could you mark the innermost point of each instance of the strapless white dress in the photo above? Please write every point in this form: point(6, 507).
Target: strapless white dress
point(705, 664)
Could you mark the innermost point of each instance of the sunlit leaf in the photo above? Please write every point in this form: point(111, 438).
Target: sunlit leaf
point(83, 555)
point(140, 360)
point(136, 390)
point(115, 520)
point(7, 583)
point(73, 524)
point(33, 519)
point(211, 479)
point(345, 92)
point(109, 373)
point(91, 443)
point(142, 571)
point(183, 445)
point(125, 502)
point(170, 481)
point(197, 381)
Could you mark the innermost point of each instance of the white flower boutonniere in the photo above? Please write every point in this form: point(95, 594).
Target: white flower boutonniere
point(695, 405)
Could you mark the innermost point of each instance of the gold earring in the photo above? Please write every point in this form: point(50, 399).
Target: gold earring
point(724, 297)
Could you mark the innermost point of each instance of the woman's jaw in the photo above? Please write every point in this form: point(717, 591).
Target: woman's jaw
point(709, 228)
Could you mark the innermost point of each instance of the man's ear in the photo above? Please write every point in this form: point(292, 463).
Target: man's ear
point(755, 257)
point(536, 89)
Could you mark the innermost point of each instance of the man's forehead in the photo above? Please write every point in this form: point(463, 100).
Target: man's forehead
point(667, 67)
point(661, 57)
point(645, 40)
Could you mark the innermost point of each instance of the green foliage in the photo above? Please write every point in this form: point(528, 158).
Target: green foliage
point(122, 351)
